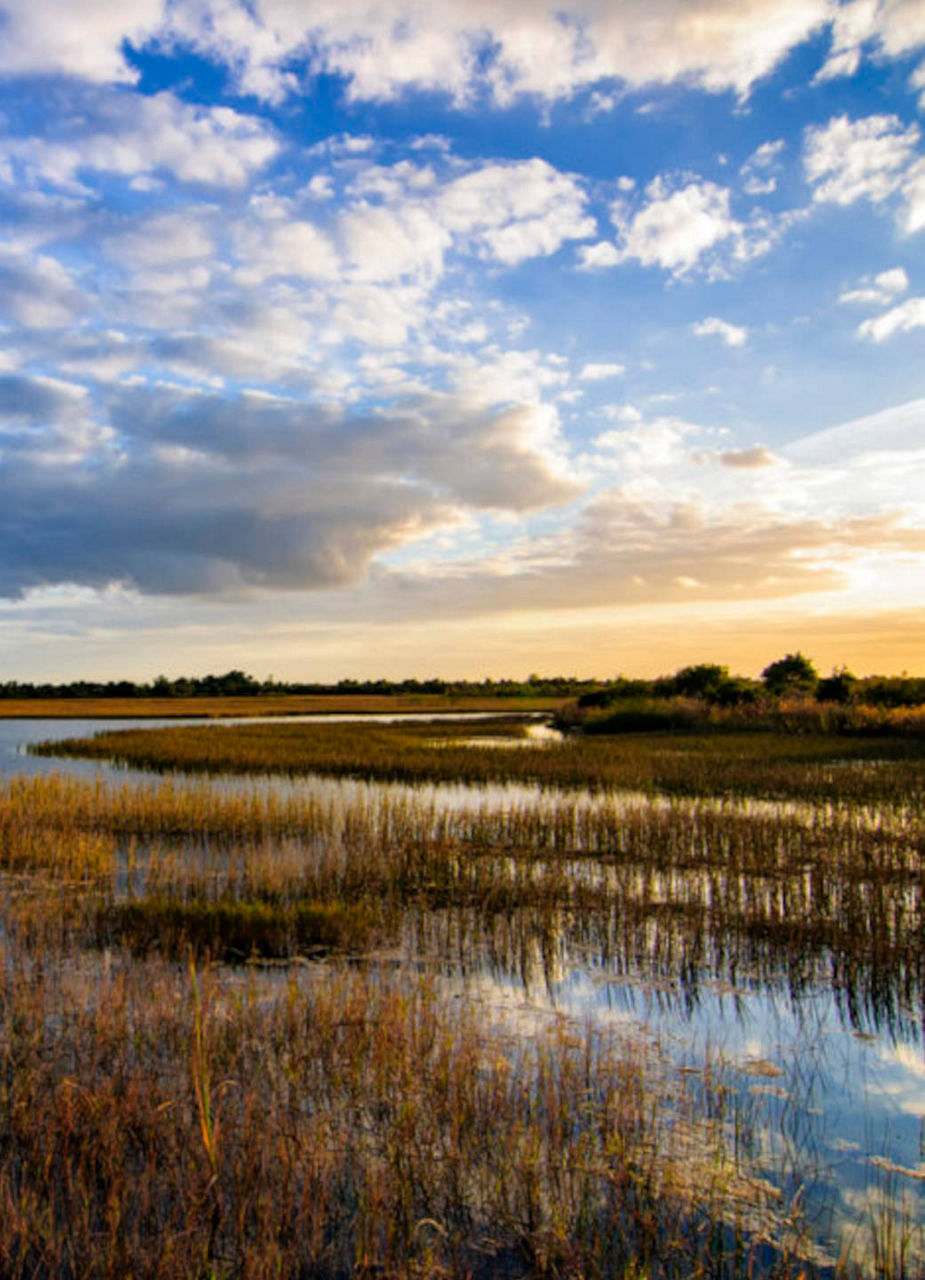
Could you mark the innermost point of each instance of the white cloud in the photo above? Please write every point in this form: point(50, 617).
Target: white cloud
point(37, 291)
point(85, 40)
point(108, 131)
point(900, 319)
point(594, 257)
point(757, 172)
point(544, 50)
point(676, 228)
point(516, 211)
point(504, 378)
point(848, 160)
point(912, 215)
point(596, 372)
point(168, 238)
point(275, 242)
point(853, 23)
point(526, 47)
point(388, 243)
point(733, 335)
point(878, 289)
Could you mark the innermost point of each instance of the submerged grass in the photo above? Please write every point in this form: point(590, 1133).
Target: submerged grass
point(357, 1118)
point(162, 1123)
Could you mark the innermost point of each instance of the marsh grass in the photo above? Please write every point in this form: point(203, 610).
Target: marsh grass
point(156, 1121)
point(361, 1118)
point(807, 766)
point(691, 891)
point(267, 705)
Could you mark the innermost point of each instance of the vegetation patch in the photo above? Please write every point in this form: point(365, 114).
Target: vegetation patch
point(235, 931)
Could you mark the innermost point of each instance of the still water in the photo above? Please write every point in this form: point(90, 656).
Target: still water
point(832, 1078)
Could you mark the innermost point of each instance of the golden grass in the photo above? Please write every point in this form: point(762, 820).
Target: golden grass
point(275, 705)
point(161, 1122)
point(813, 767)
point(358, 1118)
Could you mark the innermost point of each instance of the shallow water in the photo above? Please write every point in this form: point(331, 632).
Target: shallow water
point(830, 1085)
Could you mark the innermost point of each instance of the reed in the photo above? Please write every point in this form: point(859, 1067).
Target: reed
point(353, 1116)
point(701, 889)
point(161, 1122)
point(813, 767)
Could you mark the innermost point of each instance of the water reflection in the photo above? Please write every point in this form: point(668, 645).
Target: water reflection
point(800, 988)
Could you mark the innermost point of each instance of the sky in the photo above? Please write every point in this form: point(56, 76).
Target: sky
point(461, 339)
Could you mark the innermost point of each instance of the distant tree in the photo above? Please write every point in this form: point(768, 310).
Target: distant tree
point(737, 691)
point(793, 674)
point(840, 686)
point(704, 680)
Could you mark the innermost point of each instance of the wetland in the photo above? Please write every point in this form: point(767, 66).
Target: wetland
point(336, 999)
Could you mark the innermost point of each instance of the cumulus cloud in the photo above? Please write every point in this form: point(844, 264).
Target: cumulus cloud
point(676, 228)
point(734, 335)
point(595, 257)
point(545, 50)
point(894, 28)
point(110, 131)
point(37, 291)
point(204, 493)
point(516, 211)
point(874, 158)
point(900, 319)
point(86, 40)
point(878, 289)
point(758, 176)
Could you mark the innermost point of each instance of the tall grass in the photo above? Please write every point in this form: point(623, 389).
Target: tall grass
point(162, 1122)
point(881, 770)
point(781, 895)
point(165, 1115)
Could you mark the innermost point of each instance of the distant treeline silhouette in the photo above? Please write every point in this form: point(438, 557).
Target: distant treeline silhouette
point(793, 675)
point(238, 684)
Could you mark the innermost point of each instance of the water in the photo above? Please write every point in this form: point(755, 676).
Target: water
point(832, 1083)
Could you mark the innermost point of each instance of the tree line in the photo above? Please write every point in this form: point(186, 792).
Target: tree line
point(238, 684)
point(792, 676)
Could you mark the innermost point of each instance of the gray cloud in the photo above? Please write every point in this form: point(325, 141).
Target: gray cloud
point(37, 292)
point(200, 493)
point(35, 400)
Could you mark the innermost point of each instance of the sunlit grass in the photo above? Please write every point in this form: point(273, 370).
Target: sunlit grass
point(368, 1115)
point(885, 770)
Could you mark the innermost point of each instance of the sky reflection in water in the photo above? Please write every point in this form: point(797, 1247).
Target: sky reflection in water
point(835, 1092)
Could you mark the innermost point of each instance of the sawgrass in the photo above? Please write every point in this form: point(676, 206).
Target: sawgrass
point(813, 767)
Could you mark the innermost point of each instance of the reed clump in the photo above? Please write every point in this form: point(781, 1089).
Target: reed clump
point(157, 1123)
point(236, 931)
point(355, 1117)
point(813, 767)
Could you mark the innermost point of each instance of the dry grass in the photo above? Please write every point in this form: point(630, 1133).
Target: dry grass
point(257, 705)
point(813, 767)
point(156, 1122)
point(358, 1118)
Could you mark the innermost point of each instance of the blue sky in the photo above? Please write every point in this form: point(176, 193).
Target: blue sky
point(352, 339)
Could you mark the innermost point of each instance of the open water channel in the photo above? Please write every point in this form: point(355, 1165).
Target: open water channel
point(833, 1079)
